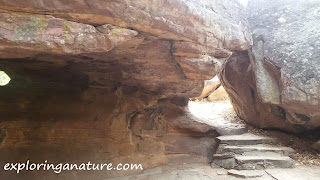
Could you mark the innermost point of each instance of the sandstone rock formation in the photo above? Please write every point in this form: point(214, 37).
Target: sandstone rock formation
point(217, 24)
point(219, 95)
point(238, 79)
point(106, 81)
point(46, 34)
point(209, 87)
point(279, 88)
point(286, 59)
point(212, 90)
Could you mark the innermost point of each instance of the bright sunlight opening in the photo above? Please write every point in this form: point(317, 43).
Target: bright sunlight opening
point(4, 78)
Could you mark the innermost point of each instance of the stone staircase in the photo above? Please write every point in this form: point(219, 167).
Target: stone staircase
point(251, 152)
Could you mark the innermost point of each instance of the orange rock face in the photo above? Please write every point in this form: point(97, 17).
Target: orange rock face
point(107, 81)
point(218, 95)
point(209, 87)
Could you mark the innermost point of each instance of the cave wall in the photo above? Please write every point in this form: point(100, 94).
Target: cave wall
point(110, 81)
point(103, 107)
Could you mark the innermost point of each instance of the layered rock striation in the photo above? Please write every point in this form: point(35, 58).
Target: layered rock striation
point(108, 80)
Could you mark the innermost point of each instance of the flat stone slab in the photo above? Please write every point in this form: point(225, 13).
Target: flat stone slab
point(223, 156)
point(259, 158)
point(245, 139)
point(261, 162)
point(246, 173)
point(254, 162)
point(258, 148)
point(225, 163)
point(222, 172)
point(298, 173)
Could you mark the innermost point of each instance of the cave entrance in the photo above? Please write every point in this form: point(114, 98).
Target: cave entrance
point(4, 78)
point(213, 107)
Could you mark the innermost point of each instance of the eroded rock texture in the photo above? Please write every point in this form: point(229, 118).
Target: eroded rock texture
point(237, 77)
point(108, 81)
point(280, 87)
point(286, 57)
point(209, 87)
point(219, 23)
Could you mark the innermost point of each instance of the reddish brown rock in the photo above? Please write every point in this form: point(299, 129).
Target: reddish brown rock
point(112, 97)
point(219, 94)
point(192, 50)
point(197, 68)
point(209, 87)
point(238, 80)
point(207, 23)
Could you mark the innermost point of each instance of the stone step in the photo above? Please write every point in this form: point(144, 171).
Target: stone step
point(253, 162)
point(231, 129)
point(255, 148)
point(245, 139)
point(246, 173)
point(262, 162)
point(229, 155)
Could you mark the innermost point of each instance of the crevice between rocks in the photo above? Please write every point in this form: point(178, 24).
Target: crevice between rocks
point(171, 53)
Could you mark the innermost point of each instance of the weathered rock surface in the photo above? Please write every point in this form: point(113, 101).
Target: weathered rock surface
point(276, 84)
point(238, 79)
point(245, 139)
point(246, 173)
point(217, 24)
point(285, 59)
point(219, 94)
point(107, 81)
point(36, 34)
point(209, 87)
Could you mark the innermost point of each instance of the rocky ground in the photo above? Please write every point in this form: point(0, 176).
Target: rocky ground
point(305, 155)
point(221, 113)
point(205, 172)
point(306, 166)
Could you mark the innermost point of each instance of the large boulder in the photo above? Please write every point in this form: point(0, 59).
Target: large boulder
point(285, 57)
point(237, 77)
point(284, 90)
